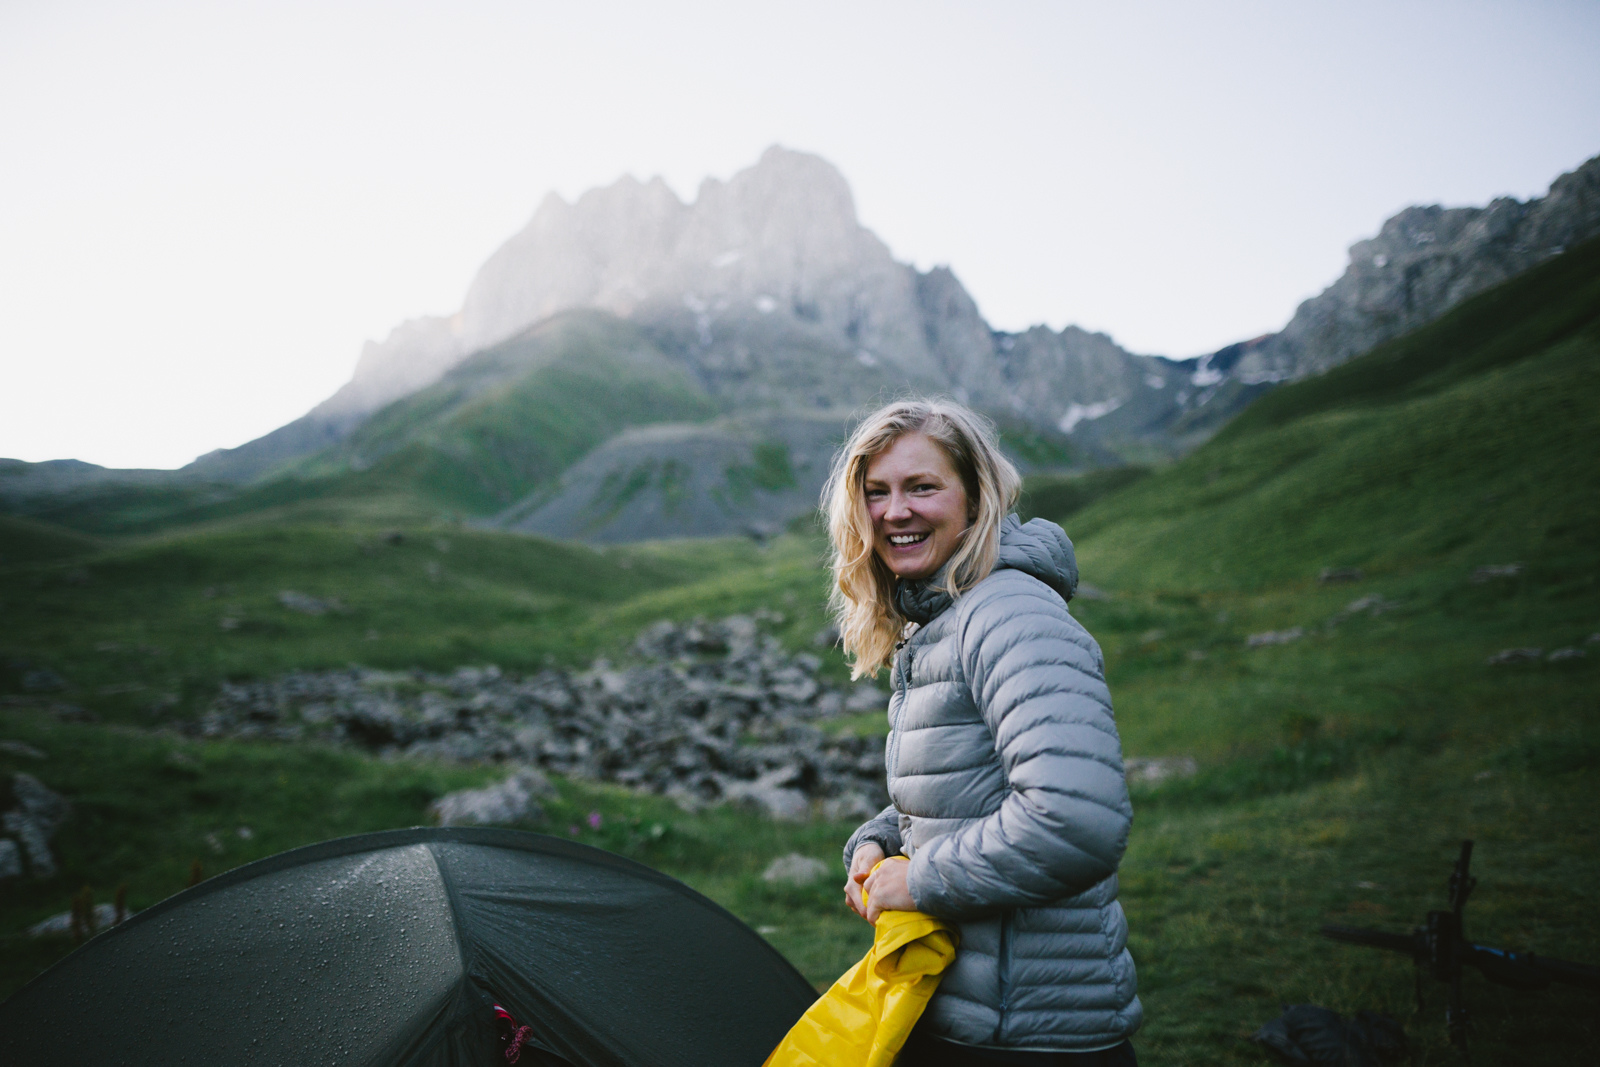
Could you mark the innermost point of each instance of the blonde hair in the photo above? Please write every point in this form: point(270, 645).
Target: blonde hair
point(862, 599)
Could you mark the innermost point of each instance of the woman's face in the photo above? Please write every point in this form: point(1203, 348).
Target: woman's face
point(917, 504)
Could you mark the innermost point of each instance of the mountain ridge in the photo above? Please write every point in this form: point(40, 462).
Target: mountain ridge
point(765, 300)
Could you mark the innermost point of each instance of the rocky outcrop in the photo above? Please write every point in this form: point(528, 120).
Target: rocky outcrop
point(1424, 261)
point(711, 712)
point(512, 800)
point(32, 816)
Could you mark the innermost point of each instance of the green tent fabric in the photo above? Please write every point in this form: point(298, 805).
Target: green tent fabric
point(393, 948)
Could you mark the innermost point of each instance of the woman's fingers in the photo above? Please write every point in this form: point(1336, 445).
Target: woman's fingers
point(861, 864)
point(852, 897)
point(887, 890)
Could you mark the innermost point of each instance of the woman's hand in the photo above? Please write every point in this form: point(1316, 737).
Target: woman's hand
point(861, 862)
point(887, 890)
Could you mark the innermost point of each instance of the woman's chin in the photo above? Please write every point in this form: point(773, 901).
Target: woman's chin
point(912, 569)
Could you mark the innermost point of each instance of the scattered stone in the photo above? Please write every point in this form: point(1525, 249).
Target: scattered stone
point(1592, 639)
point(1562, 654)
point(10, 860)
point(827, 637)
point(213, 842)
point(1197, 654)
point(1150, 770)
point(72, 713)
point(306, 604)
point(105, 917)
point(32, 819)
point(42, 680)
point(774, 794)
point(1492, 571)
point(705, 714)
point(21, 748)
point(1274, 637)
point(795, 869)
point(510, 801)
point(1085, 591)
point(1516, 655)
point(866, 697)
point(850, 806)
point(245, 833)
point(1335, 575)
point(1372, 604)
point(1150, 637)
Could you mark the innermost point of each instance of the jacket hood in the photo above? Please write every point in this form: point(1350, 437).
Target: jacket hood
point(1041, 548)
point(1038, 548)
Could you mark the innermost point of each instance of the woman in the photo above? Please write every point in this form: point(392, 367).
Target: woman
point(1003, 761)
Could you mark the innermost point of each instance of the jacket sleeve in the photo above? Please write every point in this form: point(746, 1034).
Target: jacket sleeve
point(884, 828)
point(1039, 681)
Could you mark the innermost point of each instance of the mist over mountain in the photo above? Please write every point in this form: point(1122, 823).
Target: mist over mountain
point(768, 290)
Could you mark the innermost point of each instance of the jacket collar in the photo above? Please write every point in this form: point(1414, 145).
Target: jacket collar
point(920, 599)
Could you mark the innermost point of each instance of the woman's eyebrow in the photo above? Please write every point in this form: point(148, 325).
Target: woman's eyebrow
point(930, 476)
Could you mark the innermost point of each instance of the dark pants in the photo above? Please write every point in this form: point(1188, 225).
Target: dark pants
point(921, 1051)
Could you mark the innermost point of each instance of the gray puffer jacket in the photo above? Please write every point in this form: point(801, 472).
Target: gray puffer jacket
point(1009, 798)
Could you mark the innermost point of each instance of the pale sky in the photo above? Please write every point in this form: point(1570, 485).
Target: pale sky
point(206, 208)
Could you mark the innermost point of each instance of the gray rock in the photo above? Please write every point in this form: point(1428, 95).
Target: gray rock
point(771, 794)
point(306, 604)
point(1332, 575)
point(42, 680)
point(509, 801)
point(21, 748)
point(40, 803)
point(10, 860)
point(60, 925)
point(1274, 637)
point(1493, 571)
point(1151, 770)
point(34, 840)
point(795, 869)
point(1562, 654)
point(866, 697)
point(856, 806)
point(1515, 655)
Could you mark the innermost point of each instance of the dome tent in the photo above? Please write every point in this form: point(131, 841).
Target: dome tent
point(395, 948)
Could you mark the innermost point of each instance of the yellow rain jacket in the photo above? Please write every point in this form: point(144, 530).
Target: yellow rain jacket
point(866, 1017)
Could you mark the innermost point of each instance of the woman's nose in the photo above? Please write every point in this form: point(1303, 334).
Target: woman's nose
point(899, 507)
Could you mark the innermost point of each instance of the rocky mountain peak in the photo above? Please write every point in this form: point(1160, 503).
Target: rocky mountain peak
point(1422, 262)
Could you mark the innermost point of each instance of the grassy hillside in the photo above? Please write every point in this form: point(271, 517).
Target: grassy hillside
point(1469, 442)
point(1338, 767)
point(513, 417)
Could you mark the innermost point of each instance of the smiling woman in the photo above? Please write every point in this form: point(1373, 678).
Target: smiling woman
point(1003, 761)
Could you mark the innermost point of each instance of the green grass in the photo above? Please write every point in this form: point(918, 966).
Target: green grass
point(1338, 772)
point(510, 420)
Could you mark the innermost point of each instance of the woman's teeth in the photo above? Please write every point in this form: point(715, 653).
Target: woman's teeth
point(907, 539)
